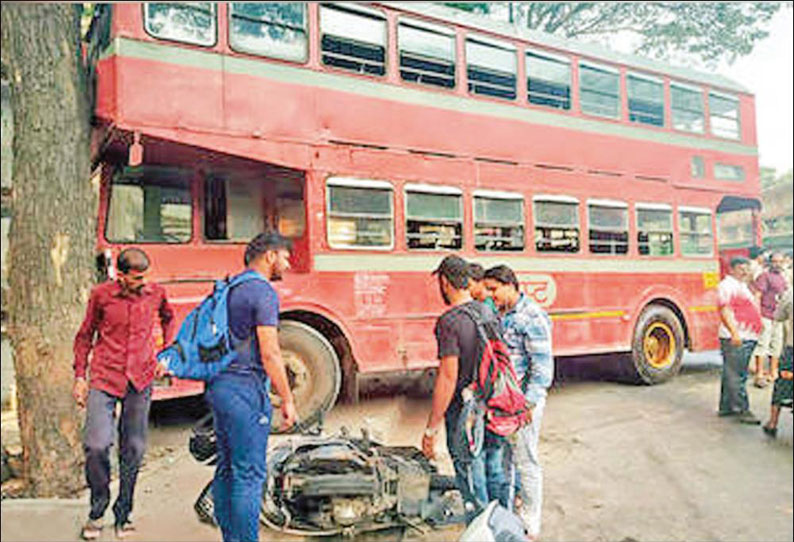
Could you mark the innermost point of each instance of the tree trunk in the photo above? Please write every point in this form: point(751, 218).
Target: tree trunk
point(51, 238)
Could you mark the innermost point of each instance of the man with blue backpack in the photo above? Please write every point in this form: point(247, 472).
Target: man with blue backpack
point(231, 342)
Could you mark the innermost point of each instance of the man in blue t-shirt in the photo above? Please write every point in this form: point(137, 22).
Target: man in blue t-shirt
point(239, 396)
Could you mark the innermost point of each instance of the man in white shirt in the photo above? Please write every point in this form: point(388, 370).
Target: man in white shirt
point(740, 325)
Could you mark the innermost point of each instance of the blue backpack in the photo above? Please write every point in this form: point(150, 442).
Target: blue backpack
point(204, 345)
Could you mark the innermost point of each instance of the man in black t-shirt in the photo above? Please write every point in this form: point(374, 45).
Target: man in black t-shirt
point(458, 353)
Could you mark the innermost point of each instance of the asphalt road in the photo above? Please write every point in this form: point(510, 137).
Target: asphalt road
point(621, 462)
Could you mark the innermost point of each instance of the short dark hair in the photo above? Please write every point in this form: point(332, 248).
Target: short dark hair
point(264, 242)
point(756, 252)
point(132, 258)
point(476, 271)
point(503, 274)
point(736, 261)
point(455, 269)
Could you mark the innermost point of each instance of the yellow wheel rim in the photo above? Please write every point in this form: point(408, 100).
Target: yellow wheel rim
point(659, 345)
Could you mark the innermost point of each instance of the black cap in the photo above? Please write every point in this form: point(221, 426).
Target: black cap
point(455, 269)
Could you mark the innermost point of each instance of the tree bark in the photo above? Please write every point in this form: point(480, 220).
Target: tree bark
point(51, 238)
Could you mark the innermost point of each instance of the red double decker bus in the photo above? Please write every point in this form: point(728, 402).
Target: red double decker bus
point(381, 137)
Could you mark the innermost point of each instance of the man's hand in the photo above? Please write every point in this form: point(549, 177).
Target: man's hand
point(160, 371)
point(80, 392)
point(786, 375)
point(429, 443)
point(289, 414)
point(736, 340)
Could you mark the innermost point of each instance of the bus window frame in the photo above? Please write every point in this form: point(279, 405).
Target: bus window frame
point(182, 174)
point(353, 8)
point(725, 96)
point(237, 49)
point(552, 57)
point(484, 41)
point(649, 79)
point(556, 198)
point(500, 195)
point(608, 204)
point(357, 182)
point(696, 210)
point(689, 88)
point(441, 190)
point(183, 42)
point(641, 206)
point(605, 68)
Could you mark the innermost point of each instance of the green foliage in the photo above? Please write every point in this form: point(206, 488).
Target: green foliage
point(710, 31)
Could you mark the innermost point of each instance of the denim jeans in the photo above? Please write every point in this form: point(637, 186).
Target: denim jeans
point(466, 478)
point(527, 466)
point(242, 412)
point(489, 476)
point(733, 387)
point(133, 426)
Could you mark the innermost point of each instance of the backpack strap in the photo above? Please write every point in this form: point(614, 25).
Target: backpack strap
point(479, 323)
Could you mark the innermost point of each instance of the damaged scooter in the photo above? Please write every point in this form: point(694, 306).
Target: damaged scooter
point(341, 485)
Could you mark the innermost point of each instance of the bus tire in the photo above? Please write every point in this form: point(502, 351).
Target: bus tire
point(313, 372)
point(657, 347)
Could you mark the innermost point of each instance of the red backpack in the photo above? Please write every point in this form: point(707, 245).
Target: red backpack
point(495, 383)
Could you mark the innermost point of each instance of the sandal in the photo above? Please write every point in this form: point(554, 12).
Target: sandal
point(124, 529)
point(92, 529)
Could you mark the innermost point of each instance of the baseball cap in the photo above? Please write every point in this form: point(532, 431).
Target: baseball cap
point(452, 267)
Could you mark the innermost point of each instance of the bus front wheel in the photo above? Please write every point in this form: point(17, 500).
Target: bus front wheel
point(312, 370)
point(657, 347)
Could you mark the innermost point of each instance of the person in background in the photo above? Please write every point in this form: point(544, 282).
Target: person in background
point(784, 385)
point(758, 262)
point(526, 329)
point(239, 396)
point(740, 324)
point(118, 328)
point(768, 287)
point(477, 286)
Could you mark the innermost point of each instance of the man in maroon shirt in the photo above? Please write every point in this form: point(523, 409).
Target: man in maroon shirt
point(119, 329)
point(769, 287)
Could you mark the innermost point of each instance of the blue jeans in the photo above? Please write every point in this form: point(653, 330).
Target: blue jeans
point(465, 475)
point(489, 478)
point(733, 387)
point(242, 412)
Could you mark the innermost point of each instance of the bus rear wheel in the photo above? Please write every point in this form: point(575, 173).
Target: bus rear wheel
point(657, 347)
point(312, 370)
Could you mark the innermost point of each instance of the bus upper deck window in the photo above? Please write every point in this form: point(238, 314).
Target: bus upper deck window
point(353, 38)
point(491, 68)
point(599, 90)
point(655, 230)
point(433, 217)
point(646, 99)
point(149, 205)
point(360, 213)
point(724, 115)
point(427, 53)
point(498, 221)
point(694, 229)
point(556, 224)
point(609, 227)
point(273, 29)
point(686, 104)
point(548, 80)
point(188, 22)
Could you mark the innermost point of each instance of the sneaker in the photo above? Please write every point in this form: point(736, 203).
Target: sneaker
point(92, 529)
point(748, 418)
point(769, 431)
point(124, 529)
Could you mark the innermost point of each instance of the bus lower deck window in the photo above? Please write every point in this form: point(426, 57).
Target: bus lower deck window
point(498, 224)
point(695, 231)
point(149, 205)
point(556, 226)
point(360, 216)
point(655, 231)
point(434, 221)
point(609, 230)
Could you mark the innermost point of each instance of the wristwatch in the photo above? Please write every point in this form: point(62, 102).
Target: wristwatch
point(431, 432)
